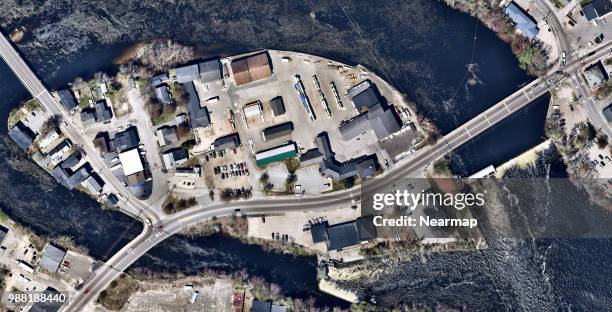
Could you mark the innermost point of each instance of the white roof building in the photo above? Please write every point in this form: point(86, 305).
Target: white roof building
point(131, 162)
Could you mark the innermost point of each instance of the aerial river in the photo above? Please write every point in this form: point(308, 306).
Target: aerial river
point(423, 47)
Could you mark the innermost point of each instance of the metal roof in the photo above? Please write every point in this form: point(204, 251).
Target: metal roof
point(131, 162)
point(319, 232)
point(608, 113)
point(523, 21)
point(261, 306)
point(187, 73)
point(159, 79)
point(228, 141)
point(161, 93)
point(93, 184)
point(278, 131)
point(382, 121)
point(198, 116)
point(210, 70)
point(66, 99)
point(52, 258)
point(277, 105)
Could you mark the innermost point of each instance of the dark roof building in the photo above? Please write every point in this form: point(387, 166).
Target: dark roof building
point(112, 199)
point(210, 70)
point(103, 111)
point(71, 161)
point(311, 157)
point(88, 116)
point(162, 95)
point(265, 306)
point(364, 95)
point(596, 8)
point(523, 21)
point(47, 306)
point(3, 232)
point(596, 75)
point(68, 178)
point(187, 73)
point(364, 166)
point(608, 113)
point(124, 140)
point(198, 116)
point(22, 135)
point(382, 121)
point(349, 234)
point(94, 183)
point(166, 135)
point(278, 131)
point(227, 142)
point(174, 157)
point(318, 232)
point(277, 105)
point(66, 99)
point(159, 79)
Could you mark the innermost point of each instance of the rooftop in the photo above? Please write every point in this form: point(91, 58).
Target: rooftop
point(187, 73)
point(66, 99)
point(278, 131)
point(228, 141)
point(198, 115)
point(210, 70)
point(251, 68)
point(523, 21)
point(52, 258)
point(22, 135)
point(131, 162)
point(124, 140)
point(103, 112)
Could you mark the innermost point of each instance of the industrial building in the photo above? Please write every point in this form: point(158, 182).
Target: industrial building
point(210, 71)
point(524, 22)
point(344, 235)
point(66, 99)
point(52, 258)
point(596, 8)
point(265, 306)
point(252, 109)
point(251, 68)
point(227, 142)
point(131, 162)
point(22, 135)
point(283, 130)
point(275, 154)
point(596, 75)
point(187, 73)
point(277, 106)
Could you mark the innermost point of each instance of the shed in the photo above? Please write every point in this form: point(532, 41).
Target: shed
point(278, 131)
point(277, 105)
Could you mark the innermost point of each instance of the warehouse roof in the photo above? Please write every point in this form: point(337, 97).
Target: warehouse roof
point(198, 115)
point(350, 233)
point(52, 258)
point(228, 141)
point(523, 21)
point(251, 68)
point(210, 70)
point(187, 73)
point(278, 131)
point(277, 105)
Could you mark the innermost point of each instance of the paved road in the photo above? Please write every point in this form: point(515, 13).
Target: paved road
point(165, 227)
point(40, 92)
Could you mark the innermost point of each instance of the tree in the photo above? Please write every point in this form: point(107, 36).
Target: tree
point(602, 141)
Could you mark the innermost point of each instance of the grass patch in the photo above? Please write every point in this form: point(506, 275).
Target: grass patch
point(116, 295)
point(163, 118)
point(33, 105)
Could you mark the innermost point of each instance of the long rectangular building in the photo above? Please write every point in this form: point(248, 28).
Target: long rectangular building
point(278, 131)
point(275, 154)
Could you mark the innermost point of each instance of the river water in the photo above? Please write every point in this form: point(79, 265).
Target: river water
point(422, 47)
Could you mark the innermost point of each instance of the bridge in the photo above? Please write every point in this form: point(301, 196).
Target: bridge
point(169, 225)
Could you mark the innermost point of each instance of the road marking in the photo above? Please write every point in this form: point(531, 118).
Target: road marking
point(487, 119)
point(466, 131)
point(506, 106)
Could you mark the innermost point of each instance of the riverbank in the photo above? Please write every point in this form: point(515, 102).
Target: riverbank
point(531, 57)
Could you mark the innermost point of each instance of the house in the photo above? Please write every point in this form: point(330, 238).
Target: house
point(66, 99)
point(198, 116)
point(22, 135)
point(596, 75)
point(251, 68)
point(162, 95)
point(94, 183)
point(102, 142)
point(71, 161)
point(187, 73)
point(524, 22)
point(57, 153)
point(596, 8)
point(112, 199)
point(227, 142)
point(210, 71)
point(48, 139)
point(88, 116)
point(277, 105)
point(52, 258)
point(158, 79)
point(124, 140)
point(174, 157)
point(69, 178)
point(278, 131)
point(103, 111)
point(166, 135)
